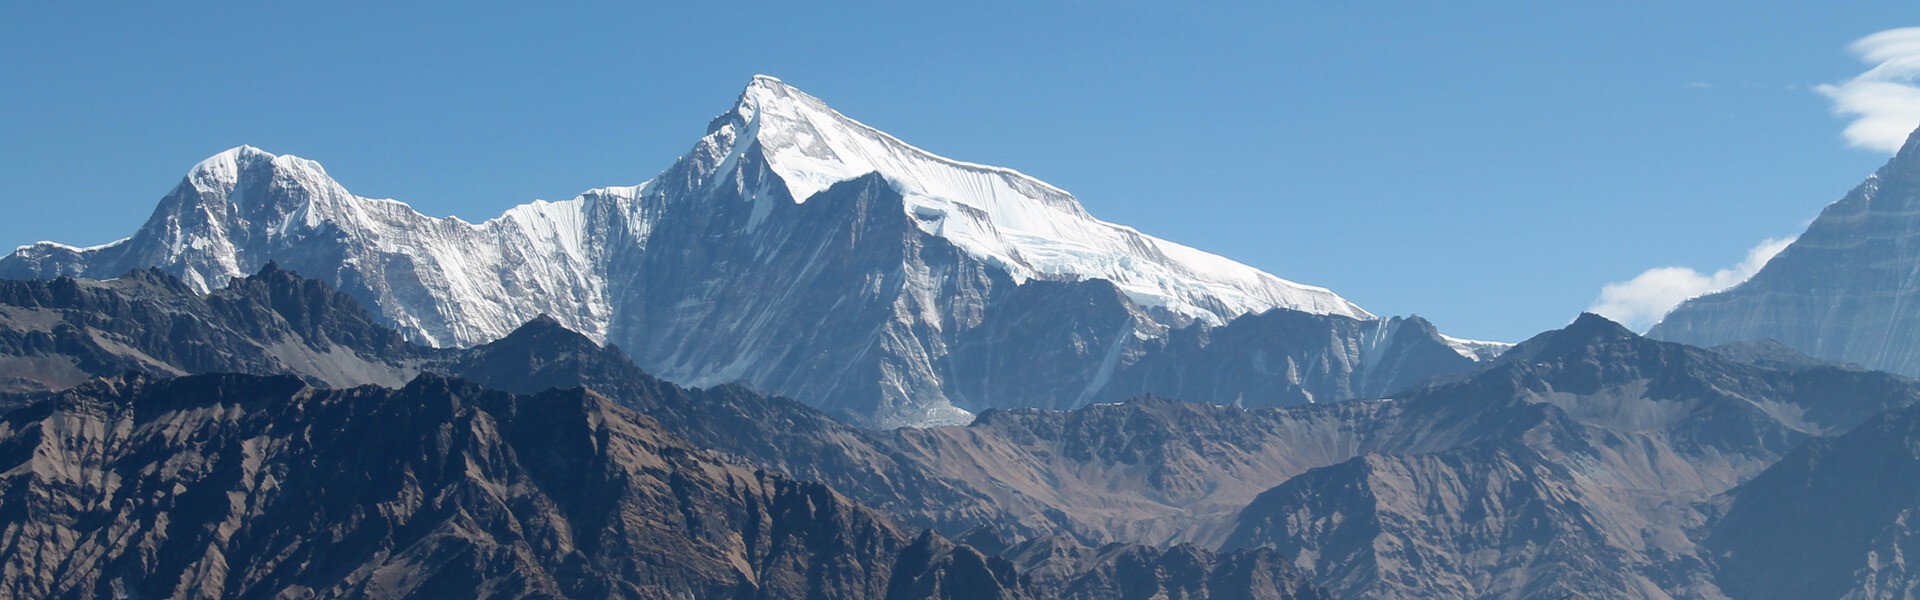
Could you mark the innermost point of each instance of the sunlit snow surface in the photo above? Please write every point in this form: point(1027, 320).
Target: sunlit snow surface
point(1476, 349)
point(588, 261)
point(443, 280)
point(543, 257)
point(1030, 228)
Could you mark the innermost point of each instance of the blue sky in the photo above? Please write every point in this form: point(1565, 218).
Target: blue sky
point(1489, 165)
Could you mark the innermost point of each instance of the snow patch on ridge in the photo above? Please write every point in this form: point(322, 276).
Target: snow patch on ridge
point(1478, 350)
point(72, 248)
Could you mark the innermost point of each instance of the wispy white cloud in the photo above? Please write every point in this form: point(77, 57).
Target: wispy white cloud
point(1640, 302)
point(1884, 102)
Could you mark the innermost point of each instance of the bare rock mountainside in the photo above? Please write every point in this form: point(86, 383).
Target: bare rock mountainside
point(1585, 462)
point(58, 333)
point(1844, 290)
point(1835, 519)
point(229, 485)
point(738, 425)
point(1581, 464)
point(803, 253)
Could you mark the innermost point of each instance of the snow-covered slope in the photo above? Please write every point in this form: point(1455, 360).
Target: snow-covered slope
point(1010, 220)
point(792, 249)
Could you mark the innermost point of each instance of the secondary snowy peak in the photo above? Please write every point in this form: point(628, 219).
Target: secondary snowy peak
point(442, 280)
point(1026, 226)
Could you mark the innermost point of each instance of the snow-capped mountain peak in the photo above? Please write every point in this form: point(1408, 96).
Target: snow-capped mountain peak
point(770, 254)
point(1031, 228)
point(222, 173)
point(812, 146)
point(223, 170)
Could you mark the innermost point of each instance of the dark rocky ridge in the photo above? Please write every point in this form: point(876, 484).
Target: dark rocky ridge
point(1576, 463)
point(773, 433)
point(130, 324)
point(1486, 520)
point(243, 486)
point(1834, 519)
point(1580, 461)
point(1186, 571)
point(1074, 570)
point(150, 323)
point(896, 472)
point(227, 485)
point(745, 427)
point(58, 333)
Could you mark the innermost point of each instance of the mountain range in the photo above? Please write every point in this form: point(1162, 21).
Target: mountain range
point(809, 360)
point(561, 493)
point(1587, 460)
point(805, 254)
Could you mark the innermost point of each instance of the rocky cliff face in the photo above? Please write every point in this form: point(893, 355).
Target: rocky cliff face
point(1842, 291)
point(803, 253)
